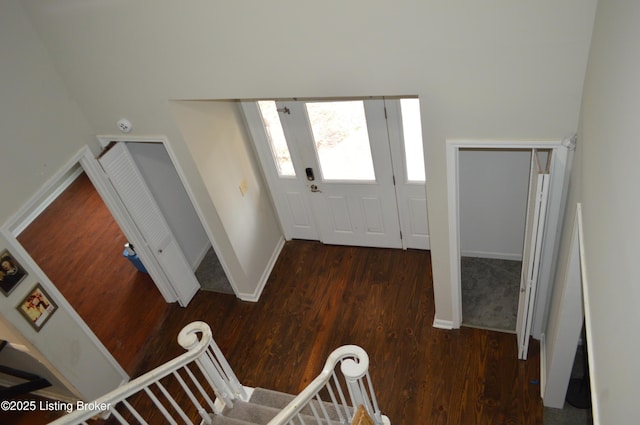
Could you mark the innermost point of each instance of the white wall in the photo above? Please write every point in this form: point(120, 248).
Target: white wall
point(490, 69)
point(163, 181)
point(215, 135)
point(493, 202)
point(607, 184)
point(41, 127)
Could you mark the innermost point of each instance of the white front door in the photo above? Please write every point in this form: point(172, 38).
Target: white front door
point(344, 153)
point(135, 195)
point(535, 222)
point(329, 166)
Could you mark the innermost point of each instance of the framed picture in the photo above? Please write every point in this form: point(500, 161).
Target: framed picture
point(11, 273)
point(37, 307)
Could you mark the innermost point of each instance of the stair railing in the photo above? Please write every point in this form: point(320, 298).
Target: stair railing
point(325, 399)
point(192, 377)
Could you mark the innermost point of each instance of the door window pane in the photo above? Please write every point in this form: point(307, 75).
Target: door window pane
point(277, 141)
point(412, 131)
point(341, 140)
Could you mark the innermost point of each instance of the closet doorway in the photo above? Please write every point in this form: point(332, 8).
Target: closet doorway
point(501, 197)
point(493, 207)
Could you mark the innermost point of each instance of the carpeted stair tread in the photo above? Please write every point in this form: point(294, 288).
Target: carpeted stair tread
point(279, 401)
point(252, 413)
point(225, 420)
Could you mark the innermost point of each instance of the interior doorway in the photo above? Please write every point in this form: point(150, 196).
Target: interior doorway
point(79, 246)
point(71, 234)
point(546, 196)
point(493, 207)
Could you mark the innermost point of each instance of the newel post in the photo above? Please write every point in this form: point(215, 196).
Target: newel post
point(356, 372)
point(212, 363)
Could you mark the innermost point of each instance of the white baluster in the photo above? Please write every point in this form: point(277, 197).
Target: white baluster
point(201, 411)
point(134, 412)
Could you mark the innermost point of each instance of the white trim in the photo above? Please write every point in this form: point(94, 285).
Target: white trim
point(595, 404)
point(39, 209)
point(47, 193)
point(443, 324)
point(255, 296)
point(494, 255)
point(543, 365)
point(453, 192)
point(558, 188)
point(104, 140)
point(558, 185)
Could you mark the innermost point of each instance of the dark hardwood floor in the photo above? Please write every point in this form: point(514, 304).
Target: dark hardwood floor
point(319, 297)
point(79, 246)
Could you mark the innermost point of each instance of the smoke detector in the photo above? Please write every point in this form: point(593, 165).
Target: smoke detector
point(125, 125)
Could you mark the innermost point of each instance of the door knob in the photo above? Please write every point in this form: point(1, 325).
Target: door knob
point(314, 188)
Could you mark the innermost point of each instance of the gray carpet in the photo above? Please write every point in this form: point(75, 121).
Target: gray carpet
point(211, 275)
point(490, 291)
point(265, 404)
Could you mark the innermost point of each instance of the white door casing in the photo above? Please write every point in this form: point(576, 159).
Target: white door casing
point(534, 233)
point(147, 216)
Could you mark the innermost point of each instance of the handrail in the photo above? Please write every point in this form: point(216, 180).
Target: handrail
point(200, 383)
point(354, 364)
point(203, 352)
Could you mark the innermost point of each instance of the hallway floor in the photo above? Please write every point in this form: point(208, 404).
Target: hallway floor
point(319, 297)
point(79, 246)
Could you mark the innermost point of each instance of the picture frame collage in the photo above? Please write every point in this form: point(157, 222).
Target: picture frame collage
point(36, 307)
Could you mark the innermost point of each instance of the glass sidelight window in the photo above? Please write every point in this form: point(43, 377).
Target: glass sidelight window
point(277, 141)
point(412, 132)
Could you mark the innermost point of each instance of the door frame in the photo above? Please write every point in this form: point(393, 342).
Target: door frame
point(555, 212)
point(114, 201)
point(28, 212)
point(405, 191)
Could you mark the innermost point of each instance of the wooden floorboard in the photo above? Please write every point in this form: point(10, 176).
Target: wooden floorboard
point(79, 246)
point(320, 297)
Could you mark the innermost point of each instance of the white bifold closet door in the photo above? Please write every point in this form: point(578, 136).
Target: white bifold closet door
point(536, 215)
point(130, 186)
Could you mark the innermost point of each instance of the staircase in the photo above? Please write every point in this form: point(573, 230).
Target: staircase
point(199, 387)
point(264, 405)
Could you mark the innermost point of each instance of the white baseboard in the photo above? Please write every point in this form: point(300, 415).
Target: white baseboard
point(255, 296)
point(443, 324)
point(543, 365)
point(488, 254)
